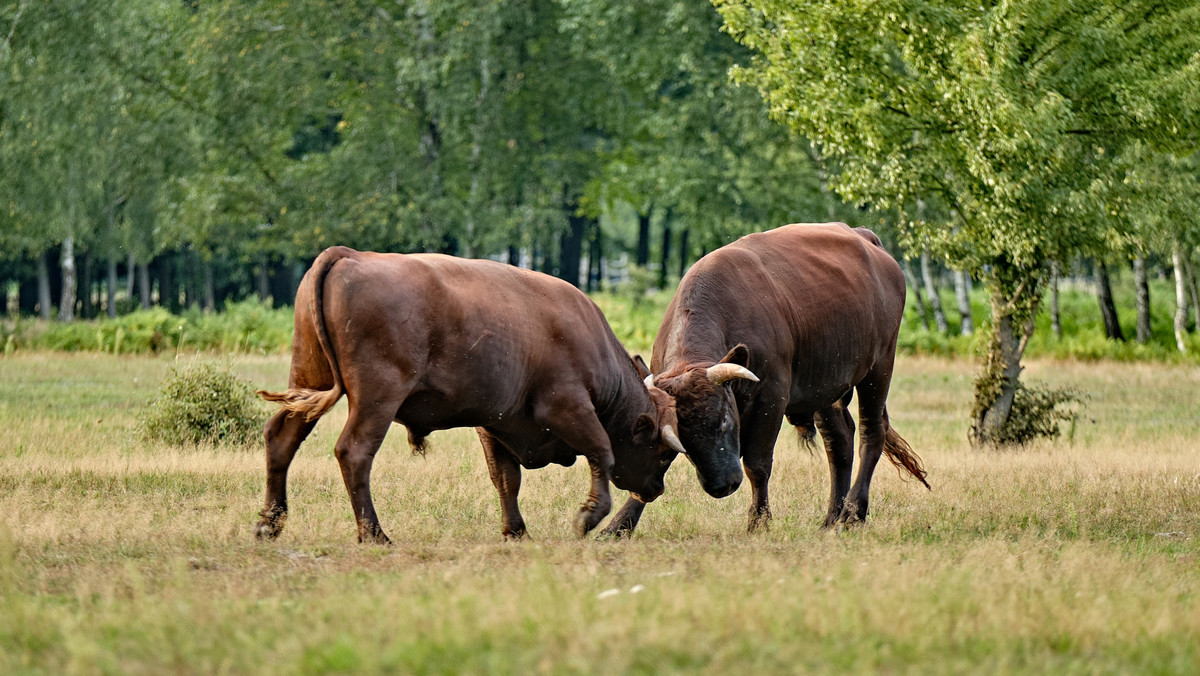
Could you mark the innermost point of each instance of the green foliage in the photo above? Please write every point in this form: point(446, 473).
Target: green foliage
point(634, 316)
point(1037, 412)
point(248, 326)
point(203, 403)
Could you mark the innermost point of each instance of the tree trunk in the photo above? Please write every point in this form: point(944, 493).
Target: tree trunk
point(571, 247)
point(168, 289)
point(87, 305)
point(1181, 299)
point(595, 253)
point(683, 251)
point(1112, 324)
point(1014, 307)
point(1189, 273)
point(916, 288)
point(665, 259)
point(66, 307)
point(27, 294)
point(1142, 285)
point(643, 241)
point(264, 280)
point(962, 293)
point(931, 289)
point(210, 292)
point(144, 290)
point(1055, 315)
point(43, 277)
point(110, 296)
point(130, 267)
point(282, 276)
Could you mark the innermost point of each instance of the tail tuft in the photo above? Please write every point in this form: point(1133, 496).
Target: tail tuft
point(902, 456)
point(312, 403)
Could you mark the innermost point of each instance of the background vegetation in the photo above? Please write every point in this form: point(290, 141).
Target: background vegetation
point(189, 154)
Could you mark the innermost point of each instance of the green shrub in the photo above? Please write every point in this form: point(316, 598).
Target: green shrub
point(246, 326)
point(1039, 412)
point(203, 403)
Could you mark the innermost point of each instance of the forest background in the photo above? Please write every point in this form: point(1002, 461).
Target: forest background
point(191, 154)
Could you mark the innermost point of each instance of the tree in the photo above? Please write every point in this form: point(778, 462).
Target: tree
point(686, 144)
point(1008, 114)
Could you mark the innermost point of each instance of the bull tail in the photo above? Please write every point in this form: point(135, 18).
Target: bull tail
point(902, 456)
point(313, 404)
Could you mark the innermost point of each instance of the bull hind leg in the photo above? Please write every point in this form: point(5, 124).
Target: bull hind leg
point(506, 475)
point(873, 420)
point(355, 450)
point(283, 434)
point(837, 433)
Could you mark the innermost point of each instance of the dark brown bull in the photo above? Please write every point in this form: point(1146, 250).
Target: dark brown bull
point(790, 323)
point(435, 342)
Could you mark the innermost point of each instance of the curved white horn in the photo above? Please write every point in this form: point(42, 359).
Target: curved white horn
point(669, 436)
point(649, 381)
point(719, 373)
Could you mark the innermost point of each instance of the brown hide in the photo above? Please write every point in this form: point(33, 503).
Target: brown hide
point(435, 342)
point(813, 310)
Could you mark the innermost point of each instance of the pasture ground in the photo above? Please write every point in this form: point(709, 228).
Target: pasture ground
point(122, 557)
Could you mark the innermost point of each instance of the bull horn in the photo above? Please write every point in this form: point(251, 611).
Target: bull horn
point(669, 436)
point(649, 381)
point(719, 373)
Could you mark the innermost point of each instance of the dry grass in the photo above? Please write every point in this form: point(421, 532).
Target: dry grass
point(122, 557)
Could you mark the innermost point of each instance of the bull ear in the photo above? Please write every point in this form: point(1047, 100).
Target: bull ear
point(642, 369)
point(733, 365)
point(740, 355)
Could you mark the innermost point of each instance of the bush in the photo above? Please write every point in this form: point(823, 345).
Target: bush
point(1038, 412)
point(203, 403)
point(246, 326)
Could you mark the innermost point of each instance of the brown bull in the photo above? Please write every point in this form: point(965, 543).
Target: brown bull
point(435, 342)
point(789, 322)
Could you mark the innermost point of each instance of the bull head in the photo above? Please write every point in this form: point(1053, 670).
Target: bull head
point(707, 417)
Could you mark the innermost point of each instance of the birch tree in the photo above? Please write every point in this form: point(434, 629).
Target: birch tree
point(1010, 113)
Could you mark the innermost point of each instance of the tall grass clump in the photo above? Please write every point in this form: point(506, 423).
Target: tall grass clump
point(203, 403)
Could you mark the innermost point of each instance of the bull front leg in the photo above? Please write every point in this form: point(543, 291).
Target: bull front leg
point(758, 458)
point(506, 476)
point(626, 520)
point(577, 425)
point(599, 500)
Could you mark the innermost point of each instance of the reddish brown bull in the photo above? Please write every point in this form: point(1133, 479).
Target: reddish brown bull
point(789, 322)
point(435, 342)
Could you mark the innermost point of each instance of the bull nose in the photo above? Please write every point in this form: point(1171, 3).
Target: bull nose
point(723, 489)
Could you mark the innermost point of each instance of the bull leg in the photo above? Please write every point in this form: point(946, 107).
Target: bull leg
point(355, 451)
point(873, 418)
point(626, 520)
point(583, 432)
point(506, 475)
point(837, 432)
point(284, 433)
point(758, 457)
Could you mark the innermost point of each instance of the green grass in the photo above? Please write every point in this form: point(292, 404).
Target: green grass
point(123, 556)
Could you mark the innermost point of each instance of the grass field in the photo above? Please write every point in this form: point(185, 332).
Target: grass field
point(123, 557)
